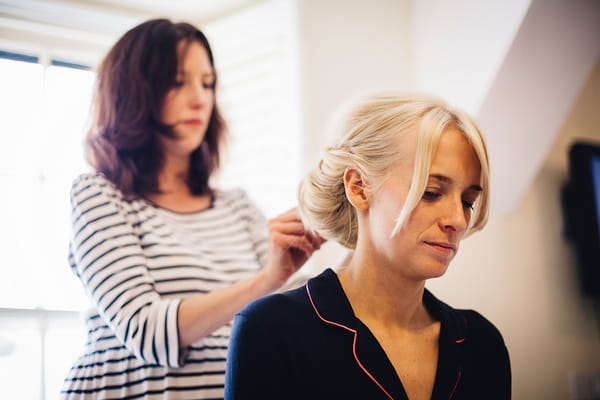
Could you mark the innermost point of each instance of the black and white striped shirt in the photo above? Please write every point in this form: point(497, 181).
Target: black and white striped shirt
point(136, 262)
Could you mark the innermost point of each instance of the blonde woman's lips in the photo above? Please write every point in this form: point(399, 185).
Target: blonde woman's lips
point(442, 247)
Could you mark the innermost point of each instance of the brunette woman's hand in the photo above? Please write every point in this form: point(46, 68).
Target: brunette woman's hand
point(290, 246)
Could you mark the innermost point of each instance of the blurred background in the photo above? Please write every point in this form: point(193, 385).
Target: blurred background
point(528, 70)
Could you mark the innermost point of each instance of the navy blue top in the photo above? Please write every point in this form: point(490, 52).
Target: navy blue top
point(308, 344)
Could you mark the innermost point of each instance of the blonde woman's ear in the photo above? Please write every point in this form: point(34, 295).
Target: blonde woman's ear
point(355, 187)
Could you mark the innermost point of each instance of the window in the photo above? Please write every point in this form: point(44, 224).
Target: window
point(256, 56)
point(43, 109)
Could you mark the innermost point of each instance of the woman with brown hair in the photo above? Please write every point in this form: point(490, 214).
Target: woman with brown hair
point(166, 258)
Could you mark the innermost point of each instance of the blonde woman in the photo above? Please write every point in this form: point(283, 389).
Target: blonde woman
point(405, 181)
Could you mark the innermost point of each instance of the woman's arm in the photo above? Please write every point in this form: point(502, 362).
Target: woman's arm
point(107, 257)
point(289, 248)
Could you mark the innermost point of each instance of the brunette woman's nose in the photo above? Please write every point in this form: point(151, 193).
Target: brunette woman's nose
point(199, 95)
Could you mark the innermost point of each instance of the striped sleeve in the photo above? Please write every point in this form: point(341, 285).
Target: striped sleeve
point(107, 257)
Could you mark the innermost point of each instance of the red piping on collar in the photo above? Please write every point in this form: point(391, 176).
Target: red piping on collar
point(459, 372)
point(455, 385)
point(353, 344)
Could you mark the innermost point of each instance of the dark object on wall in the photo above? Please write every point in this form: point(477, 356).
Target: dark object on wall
point(581, 212)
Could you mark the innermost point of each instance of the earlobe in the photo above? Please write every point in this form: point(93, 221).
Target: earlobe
point(356, 191)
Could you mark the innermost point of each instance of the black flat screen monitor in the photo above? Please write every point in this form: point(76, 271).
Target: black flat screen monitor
point(581, 208)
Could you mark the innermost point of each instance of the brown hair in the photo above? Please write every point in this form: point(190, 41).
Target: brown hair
point(132, 82)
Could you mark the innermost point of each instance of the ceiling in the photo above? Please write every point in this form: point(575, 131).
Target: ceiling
point(199, 11)
point(115, 16)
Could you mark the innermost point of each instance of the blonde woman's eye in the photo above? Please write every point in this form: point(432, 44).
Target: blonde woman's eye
point(469, 205)
point(431, 196)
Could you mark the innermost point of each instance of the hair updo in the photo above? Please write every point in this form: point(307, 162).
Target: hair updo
point(367, 139)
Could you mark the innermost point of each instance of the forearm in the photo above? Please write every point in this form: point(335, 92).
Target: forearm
point(289, 248)
point(201, 315)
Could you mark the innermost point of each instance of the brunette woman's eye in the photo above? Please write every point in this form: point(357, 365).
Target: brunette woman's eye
point(178, 84)
point(209, 85)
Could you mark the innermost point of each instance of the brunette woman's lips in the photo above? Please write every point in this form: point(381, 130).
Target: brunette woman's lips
point(193, 122)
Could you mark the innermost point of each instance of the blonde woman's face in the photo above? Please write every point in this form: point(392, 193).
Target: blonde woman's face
point(431, 237)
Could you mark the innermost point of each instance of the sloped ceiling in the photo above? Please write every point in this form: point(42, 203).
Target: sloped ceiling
point(548, 63)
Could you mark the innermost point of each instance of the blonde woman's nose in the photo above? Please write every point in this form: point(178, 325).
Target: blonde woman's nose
point(455, 216)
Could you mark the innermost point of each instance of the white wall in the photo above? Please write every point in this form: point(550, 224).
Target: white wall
point(348, 47)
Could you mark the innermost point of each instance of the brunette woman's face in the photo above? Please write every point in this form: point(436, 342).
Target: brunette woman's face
point(189, 104)
point(431, 237)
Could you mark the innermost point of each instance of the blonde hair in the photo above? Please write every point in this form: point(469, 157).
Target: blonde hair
point(368, 140)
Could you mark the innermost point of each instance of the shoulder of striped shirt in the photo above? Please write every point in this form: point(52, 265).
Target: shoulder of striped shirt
point(92, 179)
point(233, 196)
